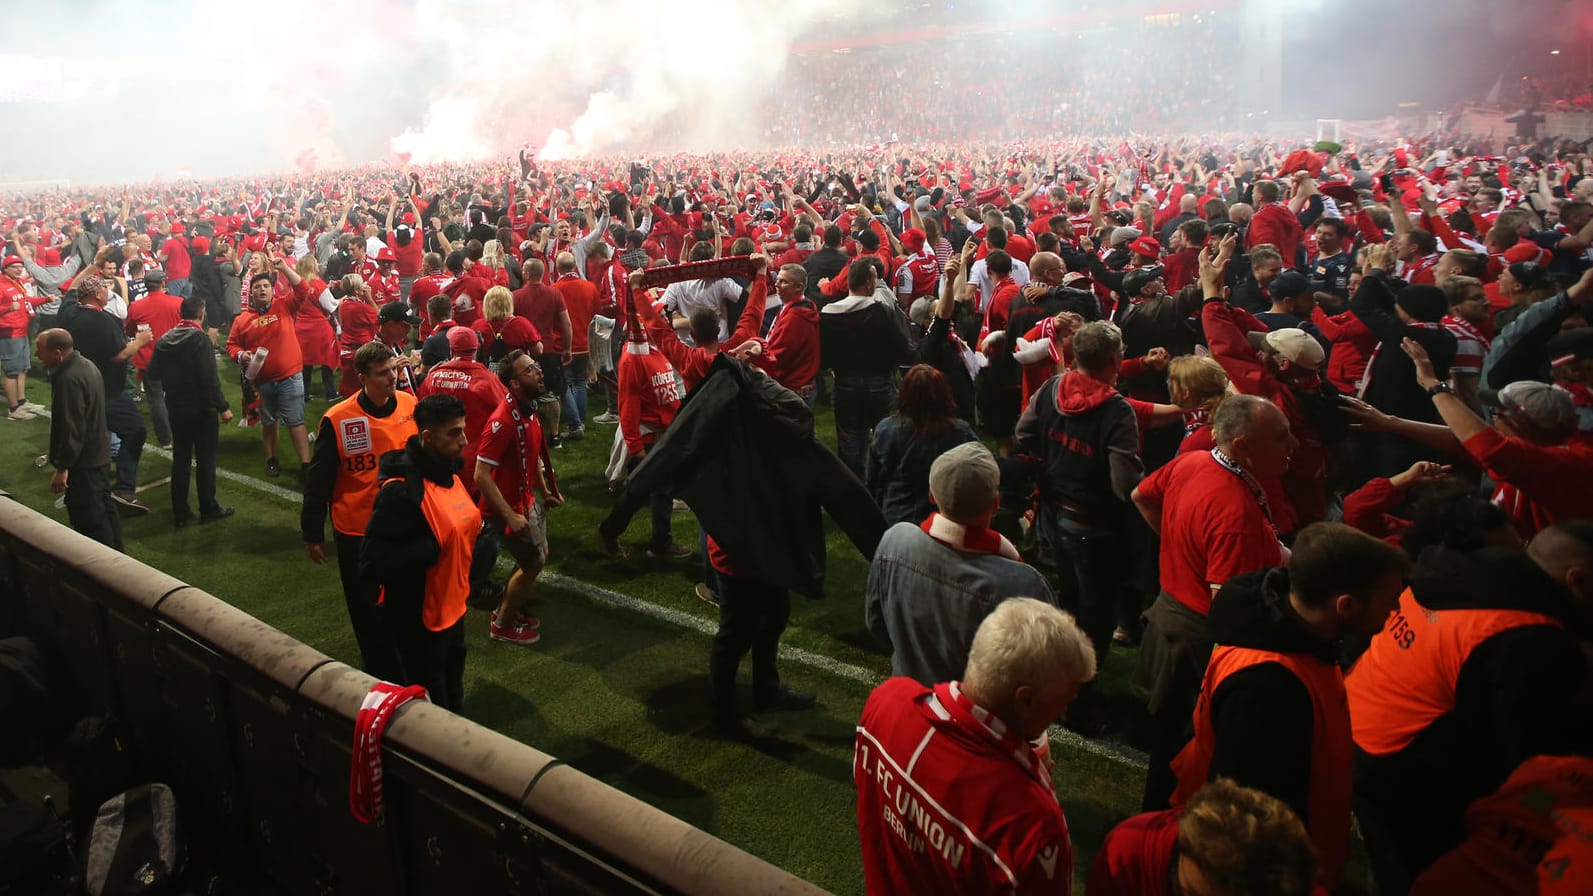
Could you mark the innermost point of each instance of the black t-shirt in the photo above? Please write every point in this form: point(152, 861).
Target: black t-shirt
point(99, 337)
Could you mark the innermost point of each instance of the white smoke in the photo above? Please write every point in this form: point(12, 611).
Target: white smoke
point(601, 76)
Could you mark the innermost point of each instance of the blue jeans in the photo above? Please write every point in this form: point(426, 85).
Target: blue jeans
point(122, 418)
point(619, 519)
point(575, 394)
point(182, 286)
point(485, 555)
point(861, 401)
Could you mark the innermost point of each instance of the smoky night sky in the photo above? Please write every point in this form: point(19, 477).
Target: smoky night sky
point(127, 91)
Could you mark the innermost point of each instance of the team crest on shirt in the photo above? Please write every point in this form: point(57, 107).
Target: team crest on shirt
point(1047, 859)
point(497, 425)
point(355, 434)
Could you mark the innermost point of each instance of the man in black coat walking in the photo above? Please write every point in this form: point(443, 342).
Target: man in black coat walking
point(184, 361)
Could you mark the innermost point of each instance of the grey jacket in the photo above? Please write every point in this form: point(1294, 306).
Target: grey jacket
point(79, 438)
point(926, 599)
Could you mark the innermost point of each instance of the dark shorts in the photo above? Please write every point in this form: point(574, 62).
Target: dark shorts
point(552, 373)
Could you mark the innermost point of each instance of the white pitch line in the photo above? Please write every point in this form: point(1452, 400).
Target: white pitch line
point(1116, 752)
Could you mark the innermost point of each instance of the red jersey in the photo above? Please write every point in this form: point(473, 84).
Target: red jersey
point(430, 285)
point(1530, 836)
point(1136, 858)
point(159, 311)
point(16, 307)
point(580, 299)
point(480, 390)
point(178, 264)
point(926, 763)
point(357, 318)
point(512, 445)
point(516, 332)
point(1212, 528)
point(542, 305)
point(467, 293)
point(409, 255)
point(649, 395)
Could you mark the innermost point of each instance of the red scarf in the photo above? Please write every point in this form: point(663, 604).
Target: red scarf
point(973, 540)
point(365, 772)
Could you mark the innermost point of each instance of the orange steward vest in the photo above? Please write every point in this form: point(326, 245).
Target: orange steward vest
point(1329, 794)
point(1406, 679)
point(455, 521)
point(361, 441)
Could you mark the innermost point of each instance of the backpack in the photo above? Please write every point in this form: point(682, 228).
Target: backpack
point(136, 847)
point(498, 349)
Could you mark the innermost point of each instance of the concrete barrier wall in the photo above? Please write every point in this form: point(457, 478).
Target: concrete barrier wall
point(252, 729)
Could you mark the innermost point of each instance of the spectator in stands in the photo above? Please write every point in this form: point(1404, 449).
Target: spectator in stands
point(417, 550)
point(80, 442)
point(918, 747)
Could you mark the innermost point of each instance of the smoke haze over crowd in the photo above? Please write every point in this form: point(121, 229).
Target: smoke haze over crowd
point(101, 92)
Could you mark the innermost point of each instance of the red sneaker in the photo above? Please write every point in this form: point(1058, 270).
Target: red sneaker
point(520, 621)
point(513, 634)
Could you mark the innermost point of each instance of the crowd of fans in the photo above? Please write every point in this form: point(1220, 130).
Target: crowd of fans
point(1312, 426)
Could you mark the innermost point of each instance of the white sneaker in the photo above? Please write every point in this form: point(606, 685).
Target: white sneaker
point(21, 412)
point(35, 408)
point(608, 417)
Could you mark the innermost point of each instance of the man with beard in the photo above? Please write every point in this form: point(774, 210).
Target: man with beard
point(264, 343)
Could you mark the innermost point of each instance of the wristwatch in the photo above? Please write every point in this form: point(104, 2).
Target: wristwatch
point(1439, 388)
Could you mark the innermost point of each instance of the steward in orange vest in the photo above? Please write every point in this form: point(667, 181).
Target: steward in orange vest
point(1479, 669)
point(1272, 713)
point(417, 550)
point(341, 478)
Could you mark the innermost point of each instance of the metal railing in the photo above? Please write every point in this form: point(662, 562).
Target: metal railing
point(252, 729)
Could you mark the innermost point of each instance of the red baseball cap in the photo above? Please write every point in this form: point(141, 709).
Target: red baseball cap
point(1147, 246)
point(385, 254)
point(462, 340)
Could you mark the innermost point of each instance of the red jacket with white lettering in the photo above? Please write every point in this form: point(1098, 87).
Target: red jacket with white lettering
point(649, 395)
point(945, 805)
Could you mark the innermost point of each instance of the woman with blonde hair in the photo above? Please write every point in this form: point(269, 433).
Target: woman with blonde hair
point(1197, 384)
point(317, 340)
point(501, 330)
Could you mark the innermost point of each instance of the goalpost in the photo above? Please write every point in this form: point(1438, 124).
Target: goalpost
point(1328, 129)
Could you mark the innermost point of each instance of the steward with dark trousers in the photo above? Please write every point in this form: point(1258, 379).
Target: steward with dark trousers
point(417, 550)
point(1480, 668)
point(342, 478)
point(752, 616)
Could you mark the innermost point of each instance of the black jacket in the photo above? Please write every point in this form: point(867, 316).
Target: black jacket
point(869, 338)
point(825, 263)
point(938, 351)
point(79, 438)
point(184, 361)
point(1515, 698)
point(1086, 437)
point(1392, 388)
point(741, 452)
point(205, 278)
point(1262, 715)
point(98, 337)
point(399, 546)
